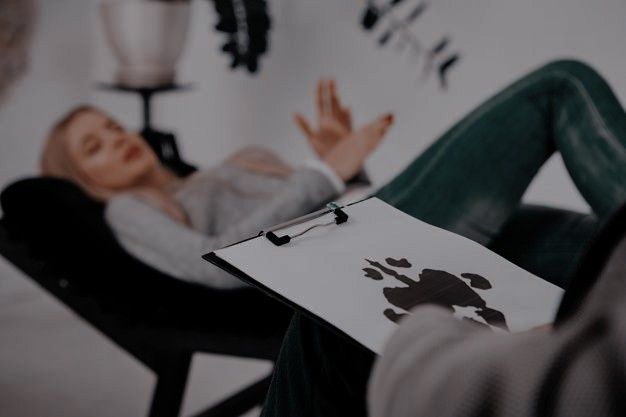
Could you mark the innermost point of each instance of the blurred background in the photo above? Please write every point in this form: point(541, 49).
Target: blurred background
point(51, 363)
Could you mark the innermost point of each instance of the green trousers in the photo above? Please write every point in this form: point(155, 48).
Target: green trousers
point(471, 181)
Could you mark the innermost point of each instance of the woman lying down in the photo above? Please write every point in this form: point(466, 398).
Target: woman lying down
point(169, 222)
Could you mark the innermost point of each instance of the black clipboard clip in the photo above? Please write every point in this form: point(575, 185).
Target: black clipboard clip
point(340, 217)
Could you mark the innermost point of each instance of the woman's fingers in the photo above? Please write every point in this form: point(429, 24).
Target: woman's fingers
point(340, 113)
point(372, 133)
point(345, 118)
point(304, 125)
point(347, 157)
point(379, 124)
point(323, 99)
point(332, 129)
point(328, 104)
point(335, 105)
point(319, 100)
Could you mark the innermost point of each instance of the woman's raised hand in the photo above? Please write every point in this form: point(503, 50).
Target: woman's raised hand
point(334, 120)
point(344, 150)
point(347, 157)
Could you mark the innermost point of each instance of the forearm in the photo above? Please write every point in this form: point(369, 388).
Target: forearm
point(306, 190)
point(157, 240)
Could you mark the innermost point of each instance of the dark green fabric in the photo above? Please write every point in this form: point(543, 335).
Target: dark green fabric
point(320, 373)
point(545, 241)
point(471, 181)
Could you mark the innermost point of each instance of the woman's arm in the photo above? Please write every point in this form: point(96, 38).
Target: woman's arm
point(334, 125)
point(161, 242)
point(156, 239)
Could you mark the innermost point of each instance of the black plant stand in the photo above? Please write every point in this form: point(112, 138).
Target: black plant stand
point(163, 143)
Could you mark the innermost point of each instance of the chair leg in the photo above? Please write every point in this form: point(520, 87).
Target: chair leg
point(170, 385)
point(240, 402)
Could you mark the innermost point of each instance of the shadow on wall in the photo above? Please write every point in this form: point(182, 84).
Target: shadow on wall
point(17, 18)
point(437, 57)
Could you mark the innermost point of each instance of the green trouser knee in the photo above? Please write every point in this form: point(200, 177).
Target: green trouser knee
point(472, 179)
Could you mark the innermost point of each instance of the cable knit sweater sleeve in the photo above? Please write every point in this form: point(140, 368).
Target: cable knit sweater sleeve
point(154, 238)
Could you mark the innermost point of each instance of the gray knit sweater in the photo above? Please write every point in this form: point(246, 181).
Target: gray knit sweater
point(224, 204)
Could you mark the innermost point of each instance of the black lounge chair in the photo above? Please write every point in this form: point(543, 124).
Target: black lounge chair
point(56, 235)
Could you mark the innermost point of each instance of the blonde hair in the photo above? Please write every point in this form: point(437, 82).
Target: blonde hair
point(56, 161)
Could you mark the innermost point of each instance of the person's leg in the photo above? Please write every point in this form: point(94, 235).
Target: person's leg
point(472, 179)
point(548, 242)
point(470, 182)
point(318, 373)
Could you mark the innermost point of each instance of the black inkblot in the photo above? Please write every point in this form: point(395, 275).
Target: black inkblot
point(477, 281)
point(476, 322)
point(388, 271)
point(437, 287)
point(373, 274)
point(393, 316)
point(398, 263)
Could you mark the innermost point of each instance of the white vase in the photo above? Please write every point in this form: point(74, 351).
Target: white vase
point(147, 38)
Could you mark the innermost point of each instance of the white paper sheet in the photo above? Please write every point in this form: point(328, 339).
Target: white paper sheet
point(326, 271)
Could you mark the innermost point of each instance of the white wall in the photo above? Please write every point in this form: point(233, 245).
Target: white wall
point(59, 76)
point(500, 40)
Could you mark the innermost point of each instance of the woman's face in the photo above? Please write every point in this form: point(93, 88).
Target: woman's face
point(107, 154)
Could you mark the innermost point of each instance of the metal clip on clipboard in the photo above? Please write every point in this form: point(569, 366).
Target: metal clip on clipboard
point(340, 217)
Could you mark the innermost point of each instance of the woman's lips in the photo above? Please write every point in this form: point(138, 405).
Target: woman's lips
point(132, 153)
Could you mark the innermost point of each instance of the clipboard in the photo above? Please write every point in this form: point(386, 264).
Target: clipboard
point(340, 218)
point(328, 275)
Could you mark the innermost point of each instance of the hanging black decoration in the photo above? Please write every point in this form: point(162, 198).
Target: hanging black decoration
point(398, 29)
point(246, 24)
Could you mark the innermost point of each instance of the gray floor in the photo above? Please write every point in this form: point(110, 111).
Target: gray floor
point(53, 364)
